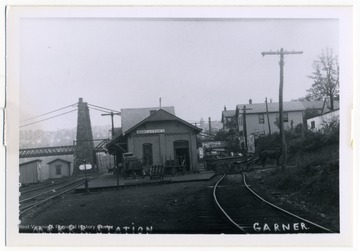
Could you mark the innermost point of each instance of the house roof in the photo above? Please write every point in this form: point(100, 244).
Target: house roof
point(272, 107)
point(162, 115)
point(313, 104)
point(31, 161)
point(59, 160)
point(132, 116)
point(324, 105)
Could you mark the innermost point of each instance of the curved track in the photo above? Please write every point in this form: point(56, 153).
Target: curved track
point(248, 213)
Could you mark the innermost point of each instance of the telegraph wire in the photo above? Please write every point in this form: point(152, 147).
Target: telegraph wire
point(49, 118)
point(48, 113)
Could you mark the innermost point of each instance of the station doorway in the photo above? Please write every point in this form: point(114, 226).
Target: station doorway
point(182, 154)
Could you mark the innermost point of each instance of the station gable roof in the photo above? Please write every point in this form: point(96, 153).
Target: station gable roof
point(162, 115)
point(132, 116)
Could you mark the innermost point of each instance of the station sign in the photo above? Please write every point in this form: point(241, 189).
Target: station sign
point(151, 131)
point(85, 166)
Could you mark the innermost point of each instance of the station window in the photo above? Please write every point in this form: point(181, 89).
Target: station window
point(58, 169)
point(312, 124)
point(261, 119)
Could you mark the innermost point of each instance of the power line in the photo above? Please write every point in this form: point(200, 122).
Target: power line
point(48, 118)
point(112, 110)
point(48, 113)
point(97, 109)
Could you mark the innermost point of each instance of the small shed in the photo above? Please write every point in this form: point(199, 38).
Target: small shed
point(59, 168)
point(30, 172)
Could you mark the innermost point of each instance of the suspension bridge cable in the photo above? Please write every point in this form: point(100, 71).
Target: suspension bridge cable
point(48, 113)
point(49, 118)
point(112, 110)
point(97, 109)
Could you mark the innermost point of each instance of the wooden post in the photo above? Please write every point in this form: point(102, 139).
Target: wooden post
point(267, 114)
point(282, 52)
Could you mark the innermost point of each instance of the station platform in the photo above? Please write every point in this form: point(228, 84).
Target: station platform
point(109, 181)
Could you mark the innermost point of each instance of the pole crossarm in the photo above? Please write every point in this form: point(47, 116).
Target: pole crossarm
point(112, 120)
point(283, 52)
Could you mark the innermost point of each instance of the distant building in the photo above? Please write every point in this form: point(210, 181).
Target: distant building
point(59, 168)
point(156, 135)
point(33, 172)
point(227, 117)
point(254, 120)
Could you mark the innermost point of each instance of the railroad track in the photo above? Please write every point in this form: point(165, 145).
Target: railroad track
point(46, 184)
point(248, 213)
point(44, 194)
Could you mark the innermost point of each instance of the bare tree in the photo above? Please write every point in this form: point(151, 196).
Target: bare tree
point(326, 78)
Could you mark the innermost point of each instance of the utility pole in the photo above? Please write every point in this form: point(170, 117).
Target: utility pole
point(112, 120)
point(267, 114)
point(282, 52)
point(112, 136)
point(244, 125)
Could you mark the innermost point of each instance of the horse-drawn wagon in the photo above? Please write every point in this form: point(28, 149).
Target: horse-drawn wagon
point(131, 166)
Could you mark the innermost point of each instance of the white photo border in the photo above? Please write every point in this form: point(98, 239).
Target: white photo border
point(344, 238)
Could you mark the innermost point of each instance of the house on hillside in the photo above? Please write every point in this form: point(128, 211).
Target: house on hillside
point(59, 168)
point(155, 135)
point(33, 172)
point(260, 119)
point(228, 118)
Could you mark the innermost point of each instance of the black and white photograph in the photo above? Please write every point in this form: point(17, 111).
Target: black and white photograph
point(218, 122)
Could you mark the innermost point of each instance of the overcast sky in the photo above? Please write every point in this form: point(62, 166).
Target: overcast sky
point(195, 65)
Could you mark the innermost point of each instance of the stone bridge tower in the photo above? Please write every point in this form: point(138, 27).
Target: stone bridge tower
point(84, 146)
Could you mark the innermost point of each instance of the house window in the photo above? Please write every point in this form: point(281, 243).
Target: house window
point(240, 121)
point(58, 169)
point(261, 119)
point(286, 117)
point(312, 124)
point(147, 154)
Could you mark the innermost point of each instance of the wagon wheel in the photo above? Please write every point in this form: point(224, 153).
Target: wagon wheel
point(173, 171)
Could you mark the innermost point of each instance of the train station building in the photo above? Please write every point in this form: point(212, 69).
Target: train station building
point(156, 135)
